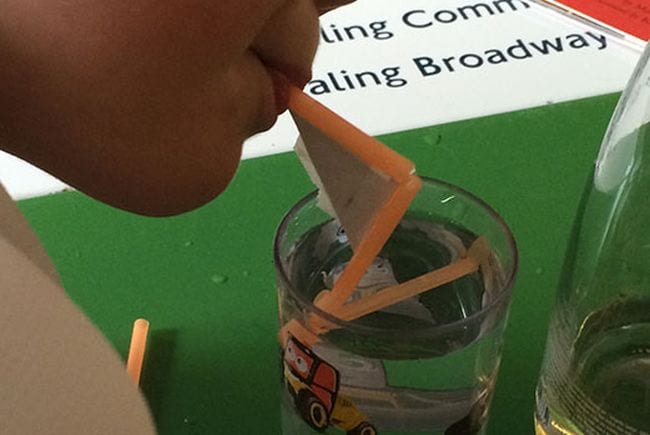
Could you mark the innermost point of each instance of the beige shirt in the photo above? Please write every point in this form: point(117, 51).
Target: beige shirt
point(58, 374)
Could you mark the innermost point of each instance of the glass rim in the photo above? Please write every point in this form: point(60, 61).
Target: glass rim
point(504, 293)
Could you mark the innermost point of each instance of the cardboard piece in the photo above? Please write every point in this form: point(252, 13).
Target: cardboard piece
point(349, 190)
point(58, 373)
point(355, 173)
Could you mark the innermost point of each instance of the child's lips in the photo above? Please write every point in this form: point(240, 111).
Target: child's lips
point(282, 79)
point(280, 90)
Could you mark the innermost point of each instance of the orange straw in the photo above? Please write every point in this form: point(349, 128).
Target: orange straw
point(136, 349)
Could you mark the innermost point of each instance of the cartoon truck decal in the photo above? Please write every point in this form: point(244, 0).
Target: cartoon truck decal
point(314, 385)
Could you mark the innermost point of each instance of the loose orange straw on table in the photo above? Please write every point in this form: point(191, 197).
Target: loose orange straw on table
point(136, 349)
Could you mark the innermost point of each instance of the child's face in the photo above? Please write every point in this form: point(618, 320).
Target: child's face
point(145, 104)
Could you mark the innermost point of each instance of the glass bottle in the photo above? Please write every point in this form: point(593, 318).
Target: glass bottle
point(596, 373)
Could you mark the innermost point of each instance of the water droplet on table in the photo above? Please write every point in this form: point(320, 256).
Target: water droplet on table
point(189, 421)
point(218, 279)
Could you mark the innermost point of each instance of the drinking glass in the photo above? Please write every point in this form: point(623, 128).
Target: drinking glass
point(424, 365)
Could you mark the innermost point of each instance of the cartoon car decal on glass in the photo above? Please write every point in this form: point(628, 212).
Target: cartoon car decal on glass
point(314, 385)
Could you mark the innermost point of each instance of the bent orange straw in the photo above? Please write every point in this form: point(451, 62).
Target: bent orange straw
point(136, 349)
point(395, 171)
point(383, 161)
point(380, 159)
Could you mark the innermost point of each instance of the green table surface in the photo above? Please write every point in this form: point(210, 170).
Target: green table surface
point(205, 279)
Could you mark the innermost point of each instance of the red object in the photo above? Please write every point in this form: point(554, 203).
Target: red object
point(321, 377)
point(630, 16)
